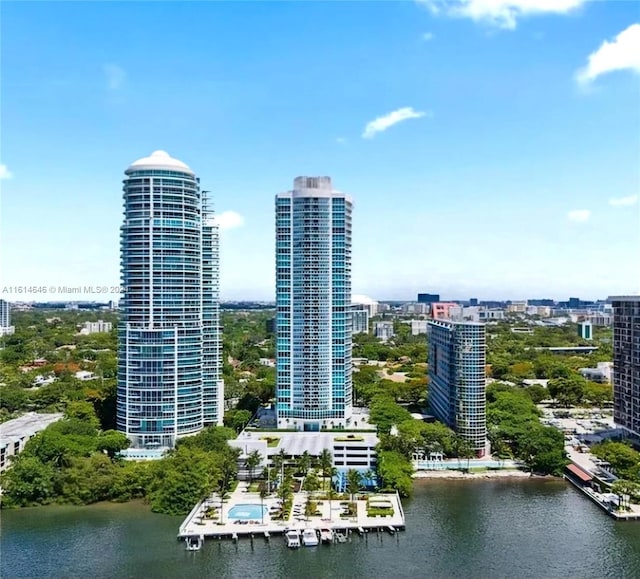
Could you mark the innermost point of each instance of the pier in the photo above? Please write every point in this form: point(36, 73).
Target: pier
point(244, 515)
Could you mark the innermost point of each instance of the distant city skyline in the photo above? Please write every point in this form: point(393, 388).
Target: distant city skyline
point(492, 147)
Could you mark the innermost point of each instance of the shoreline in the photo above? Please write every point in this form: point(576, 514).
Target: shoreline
point(458, 475)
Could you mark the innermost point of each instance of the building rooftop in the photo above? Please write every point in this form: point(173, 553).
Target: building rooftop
point(159, 160)
point(26, 426)
point(635, 298)
point(295, 443)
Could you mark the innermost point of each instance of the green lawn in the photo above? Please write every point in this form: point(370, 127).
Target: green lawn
point(272, 441)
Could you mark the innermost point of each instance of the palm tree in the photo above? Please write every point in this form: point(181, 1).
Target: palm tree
point(354, 480)
point(263, 493)
point(253, 461)
point(229, 469)
point(368, 476)
point(304, 462)
point(326, 462)
point(332, 495)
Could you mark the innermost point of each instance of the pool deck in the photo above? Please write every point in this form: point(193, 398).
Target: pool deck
point(196, 525)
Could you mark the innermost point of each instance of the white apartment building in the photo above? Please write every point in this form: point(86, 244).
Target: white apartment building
point(383, 331)
point(14, 434)
point(417, 326)
point(98, 327)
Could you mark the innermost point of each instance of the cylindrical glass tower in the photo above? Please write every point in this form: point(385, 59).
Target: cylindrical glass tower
point(160, 357)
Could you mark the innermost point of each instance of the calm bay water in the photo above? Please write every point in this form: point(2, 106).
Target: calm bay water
point(471, 529)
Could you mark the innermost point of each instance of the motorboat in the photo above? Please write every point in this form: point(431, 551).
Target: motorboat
point(293, 539)
point(326, 536)
point(194, 543)
point(310, 538)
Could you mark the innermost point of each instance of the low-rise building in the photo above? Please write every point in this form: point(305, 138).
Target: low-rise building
point(96, 327)
point(14, 434)
point(517, 307)
point(585, 330)
point(417, 326)
point(441, 310)
point(415, 308)
point(491, 315)
point(601, 373)
point(383, 331)
point(349, 450)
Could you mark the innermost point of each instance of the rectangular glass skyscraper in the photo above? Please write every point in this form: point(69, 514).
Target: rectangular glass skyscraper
point(169, 355)
point(626, 363)
point(457, 379)
point(313, 301)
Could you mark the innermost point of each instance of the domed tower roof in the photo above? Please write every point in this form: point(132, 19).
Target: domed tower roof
point(159, 160)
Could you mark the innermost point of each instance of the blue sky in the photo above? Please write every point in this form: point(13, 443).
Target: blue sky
point(515, 172)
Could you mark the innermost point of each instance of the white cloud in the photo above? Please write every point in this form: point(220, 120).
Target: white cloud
point(579, 215)
point(114, 75)
point(624, 201)
point(427, 36)
point(500, 13)
point(341, 140)
point(5, 173)
point(229, 220)
point(623, 53)
point(387, 121)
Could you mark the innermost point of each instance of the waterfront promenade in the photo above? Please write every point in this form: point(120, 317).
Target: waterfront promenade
point(248, 505)
point(587, 475)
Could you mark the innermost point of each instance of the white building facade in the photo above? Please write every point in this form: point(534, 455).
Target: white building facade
point(169, 359)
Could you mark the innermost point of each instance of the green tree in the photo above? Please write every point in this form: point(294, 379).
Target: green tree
point(624, 460)
point(396, 472)
point(237, 419)
point(325, 460)
point(537, 393)
point(385, 413)
point(354, 482)
point(112, 442)
point(311, 482)
point(253, 461)
point(567, 391)
point(598, 394)
point(187, 476)
point(13, 399)
point(303, 463)
point(264, 492)
point(28, 482)
point(542, 449)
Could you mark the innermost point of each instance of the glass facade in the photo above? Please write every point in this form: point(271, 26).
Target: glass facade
point(457, 379)
point(313, 301)
point(626, 363)
point(168, 353)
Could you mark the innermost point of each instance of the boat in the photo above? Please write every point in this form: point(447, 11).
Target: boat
point(293, 539)
point(194, 543)
point(309, 537)
point(341, 538)
point(326, 536)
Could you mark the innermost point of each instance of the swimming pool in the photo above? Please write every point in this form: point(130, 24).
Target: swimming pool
point(246, 512)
